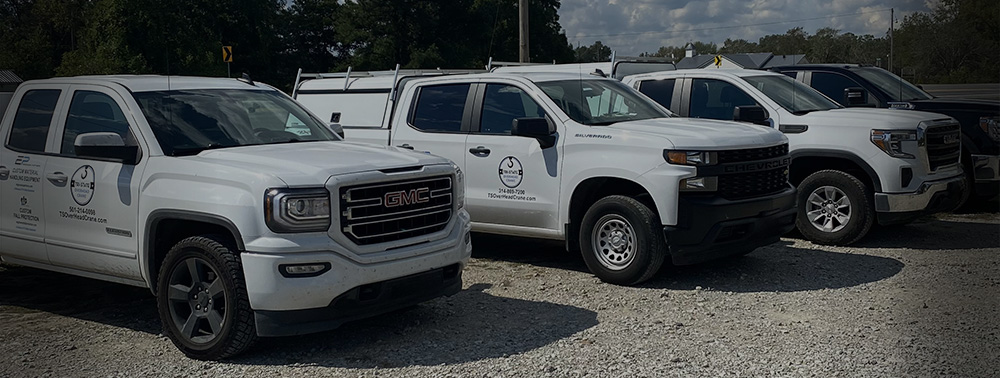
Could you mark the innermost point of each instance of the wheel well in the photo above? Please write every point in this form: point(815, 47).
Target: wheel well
point(802, 167)
point(165, 233)
point(593, 189)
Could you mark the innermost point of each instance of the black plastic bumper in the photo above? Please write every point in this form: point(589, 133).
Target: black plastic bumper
point(362, 302)
point(711, 227)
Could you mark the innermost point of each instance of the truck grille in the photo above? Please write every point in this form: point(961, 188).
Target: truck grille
point(943, 145)
point(742, 185)
point(390, 211)
point(745, 185)
point(751, 154)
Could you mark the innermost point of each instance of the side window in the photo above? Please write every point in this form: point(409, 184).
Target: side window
point(661, 91)
point(92, 112)
point(832, 85)
point(791, 74)
point(716, 99)
point(31, 122)
point(440, 108)
point(502, 105)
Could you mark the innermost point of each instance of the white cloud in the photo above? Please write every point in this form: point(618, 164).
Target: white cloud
point(635, 26)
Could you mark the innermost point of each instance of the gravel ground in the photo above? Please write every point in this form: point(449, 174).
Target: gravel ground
point(917, 300)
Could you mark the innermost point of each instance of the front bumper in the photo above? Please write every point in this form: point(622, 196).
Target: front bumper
point(986, 168)
point(931, 197)
point(710, 227)
point(349, 290)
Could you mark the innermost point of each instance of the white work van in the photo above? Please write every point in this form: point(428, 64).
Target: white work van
point(586, 160)
point(244, 214)
point(852, 167)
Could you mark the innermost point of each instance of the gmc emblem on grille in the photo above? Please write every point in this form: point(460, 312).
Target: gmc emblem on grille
point(407, 197)
point(950, 139)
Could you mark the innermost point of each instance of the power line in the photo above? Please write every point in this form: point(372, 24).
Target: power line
point(726, 27)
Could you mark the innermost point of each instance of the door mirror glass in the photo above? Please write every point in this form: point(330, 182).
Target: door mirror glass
point(105, 145)
point(750, 113)
point(535, 127)
point(855, 96)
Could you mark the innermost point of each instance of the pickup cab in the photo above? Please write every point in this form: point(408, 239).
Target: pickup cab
point(854, 85)
point(241, 212)
point(852, 167)
point(585, 160)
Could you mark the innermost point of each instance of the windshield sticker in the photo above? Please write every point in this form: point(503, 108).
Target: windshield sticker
point(594, 136)
point(511, 172)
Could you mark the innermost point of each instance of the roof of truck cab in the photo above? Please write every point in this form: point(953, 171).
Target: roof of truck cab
point(148, 83)
point(737, 72)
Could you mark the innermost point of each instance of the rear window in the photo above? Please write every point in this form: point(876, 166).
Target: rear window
point(31, 122)
point(440, 108)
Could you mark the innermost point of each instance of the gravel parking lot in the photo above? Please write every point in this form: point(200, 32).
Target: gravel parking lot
point(916, 300)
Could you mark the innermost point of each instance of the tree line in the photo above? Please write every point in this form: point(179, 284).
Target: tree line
point(270, 39)
point(958, 41)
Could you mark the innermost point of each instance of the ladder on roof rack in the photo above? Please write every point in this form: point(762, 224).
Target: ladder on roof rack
point(301, 76)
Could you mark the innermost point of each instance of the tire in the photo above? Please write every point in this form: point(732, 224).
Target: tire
point(202, 299)
point(640, 248)
point(834, 208)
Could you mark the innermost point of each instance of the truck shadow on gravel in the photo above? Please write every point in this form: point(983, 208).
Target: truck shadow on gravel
point(35, 290)
point(471, 325)
point(935, 234)
point(779, 267)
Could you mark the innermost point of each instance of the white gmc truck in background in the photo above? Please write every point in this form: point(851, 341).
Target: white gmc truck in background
point(243, 214)
point(852, 167)
point(583, 159)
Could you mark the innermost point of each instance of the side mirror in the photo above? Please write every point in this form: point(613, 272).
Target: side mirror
point(753, 114)
point(855, 96)
point(105, 145)
point(336, 128)
point(535, 127)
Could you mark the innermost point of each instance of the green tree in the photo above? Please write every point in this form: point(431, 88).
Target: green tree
point(732, 46)
point(596, 52)
point(794, 41)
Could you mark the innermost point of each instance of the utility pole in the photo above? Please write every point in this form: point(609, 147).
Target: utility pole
point(522, 10)
point(892, 26)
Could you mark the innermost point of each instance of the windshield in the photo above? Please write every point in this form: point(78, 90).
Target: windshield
point(600, 102)
point(792, 95)
point(894, 86)
point(186, 122)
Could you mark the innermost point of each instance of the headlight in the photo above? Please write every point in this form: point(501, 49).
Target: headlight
point(891, 141)
point(693, 158)
point(901, 105)
point(459, 186)
point(991, 126)
point(297, 210)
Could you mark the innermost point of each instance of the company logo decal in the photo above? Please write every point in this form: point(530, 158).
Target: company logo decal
point(511, 172)
point(81, 186)
point(22, 160)
point(406, 197)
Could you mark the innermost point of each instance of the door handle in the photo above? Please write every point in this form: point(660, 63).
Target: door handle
point(480, 151)
point(57, 178)
point(406, 146)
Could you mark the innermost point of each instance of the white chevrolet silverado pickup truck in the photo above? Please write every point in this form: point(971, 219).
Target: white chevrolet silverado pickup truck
point(584, 159)
point(242, 213)
point(853, 167)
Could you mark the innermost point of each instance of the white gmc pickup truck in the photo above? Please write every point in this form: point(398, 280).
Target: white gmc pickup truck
point(584, 159)
point(243, 214)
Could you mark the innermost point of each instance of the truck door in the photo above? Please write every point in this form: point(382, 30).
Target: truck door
point(92, 203)
point(511, 180)
point(438, 121)
point(22, 172)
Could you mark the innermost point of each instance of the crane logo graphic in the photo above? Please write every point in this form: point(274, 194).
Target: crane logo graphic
point(81, 186)
point(511, 172)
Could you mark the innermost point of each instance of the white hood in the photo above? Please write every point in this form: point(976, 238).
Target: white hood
point(312, 163)
point(697, 133)
point(868, 118)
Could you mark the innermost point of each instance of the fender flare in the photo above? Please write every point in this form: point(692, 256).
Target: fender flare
point(876, 180)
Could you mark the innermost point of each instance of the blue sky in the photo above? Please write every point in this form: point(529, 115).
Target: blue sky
point(631, 27)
